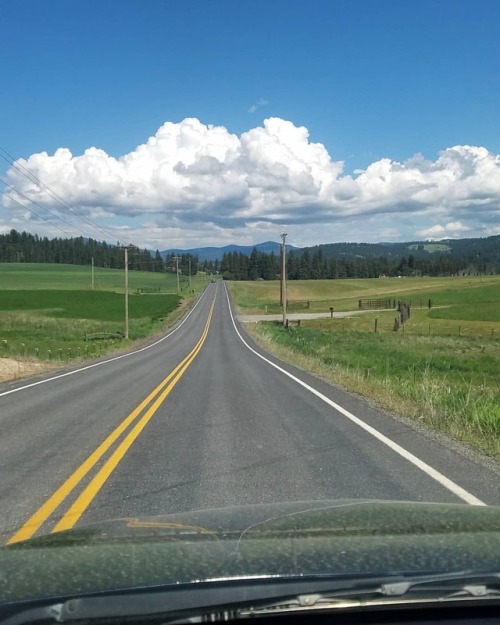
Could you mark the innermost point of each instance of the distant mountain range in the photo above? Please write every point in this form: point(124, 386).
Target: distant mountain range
point(214, 253)
point(485, 248)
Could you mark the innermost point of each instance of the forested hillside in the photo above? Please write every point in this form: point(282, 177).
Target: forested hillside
point(22, 247)
point(487, 249)
point(471, 256)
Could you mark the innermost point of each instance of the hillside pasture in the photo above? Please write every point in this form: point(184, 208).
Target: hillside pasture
point(260, 296)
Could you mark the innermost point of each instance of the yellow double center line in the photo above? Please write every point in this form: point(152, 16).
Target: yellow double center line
point(157, 396)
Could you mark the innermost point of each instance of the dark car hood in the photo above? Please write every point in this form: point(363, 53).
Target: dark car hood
point(327, 538)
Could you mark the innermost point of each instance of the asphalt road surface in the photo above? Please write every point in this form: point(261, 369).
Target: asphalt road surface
point(202, 419)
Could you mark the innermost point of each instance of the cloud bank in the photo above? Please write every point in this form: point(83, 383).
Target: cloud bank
point(194, 183)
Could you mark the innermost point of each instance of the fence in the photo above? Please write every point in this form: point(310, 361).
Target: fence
point(433, 328)
point(375, 304)
point(404, 313)
point(144, 290)
point(297, 304)
point(103, 336)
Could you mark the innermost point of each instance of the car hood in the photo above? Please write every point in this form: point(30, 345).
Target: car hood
point(290, 540)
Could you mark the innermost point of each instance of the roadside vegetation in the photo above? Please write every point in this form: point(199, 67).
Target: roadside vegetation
point(50, 312)
point(441, 368)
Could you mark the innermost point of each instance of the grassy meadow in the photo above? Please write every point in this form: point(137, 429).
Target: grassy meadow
point(48, 311)
point(343, 295)
point(442, 368)
point(75, 277)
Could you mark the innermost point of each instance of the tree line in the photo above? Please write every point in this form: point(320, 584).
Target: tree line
point(306, 264)
point(313, 264)
point(23, 247)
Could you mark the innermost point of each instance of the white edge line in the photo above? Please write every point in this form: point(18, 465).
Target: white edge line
point(105, 362)
point(457, 490)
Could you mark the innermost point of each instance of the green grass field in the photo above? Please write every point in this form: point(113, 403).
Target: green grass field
point(254, 297)
point(47, 311)
point(432, 248)
point(59, 277)
point(442, 369)
point(90, 305)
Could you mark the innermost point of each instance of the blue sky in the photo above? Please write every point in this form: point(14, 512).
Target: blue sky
point(375, 83)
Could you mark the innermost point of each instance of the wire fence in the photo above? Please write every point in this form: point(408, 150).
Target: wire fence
point(435, 328)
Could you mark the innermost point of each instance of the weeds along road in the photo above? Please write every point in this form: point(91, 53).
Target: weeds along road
point(203, 419)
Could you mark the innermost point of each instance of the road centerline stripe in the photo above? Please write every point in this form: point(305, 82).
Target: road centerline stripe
point(89, 493)
point(57, 498)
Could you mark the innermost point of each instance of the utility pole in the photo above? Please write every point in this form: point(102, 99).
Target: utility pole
point(189, 273)
point(177, 259)
point(126, 249)
point(283, 276)
point(92, 273)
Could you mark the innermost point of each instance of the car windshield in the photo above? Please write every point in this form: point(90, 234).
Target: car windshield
point(249, 293)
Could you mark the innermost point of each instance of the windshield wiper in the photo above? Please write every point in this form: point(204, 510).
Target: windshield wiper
point(236, 599)
point(430, 588)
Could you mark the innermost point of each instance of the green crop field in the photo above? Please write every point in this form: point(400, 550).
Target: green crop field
point(50, 276)
point(442, 368)
point(95, 305)
point(50, 312)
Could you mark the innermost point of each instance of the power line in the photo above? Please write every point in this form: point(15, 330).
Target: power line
point(42, 208)
point(44, 187)
point(39, 216)
point(55, 196)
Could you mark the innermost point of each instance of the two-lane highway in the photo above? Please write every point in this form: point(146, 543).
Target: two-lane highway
point(202, 419)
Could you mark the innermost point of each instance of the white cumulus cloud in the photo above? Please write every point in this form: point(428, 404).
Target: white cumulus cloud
point(202, 179)
point(452, 230)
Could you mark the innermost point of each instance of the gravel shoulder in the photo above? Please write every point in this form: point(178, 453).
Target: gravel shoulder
point(12, 369)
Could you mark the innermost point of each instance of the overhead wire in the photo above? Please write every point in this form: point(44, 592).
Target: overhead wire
point(44, 187)
point(39, 216)
point(54, 215)
point(55, 196)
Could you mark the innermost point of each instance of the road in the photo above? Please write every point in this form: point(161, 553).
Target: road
point(297, 316)
point(204, 418)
